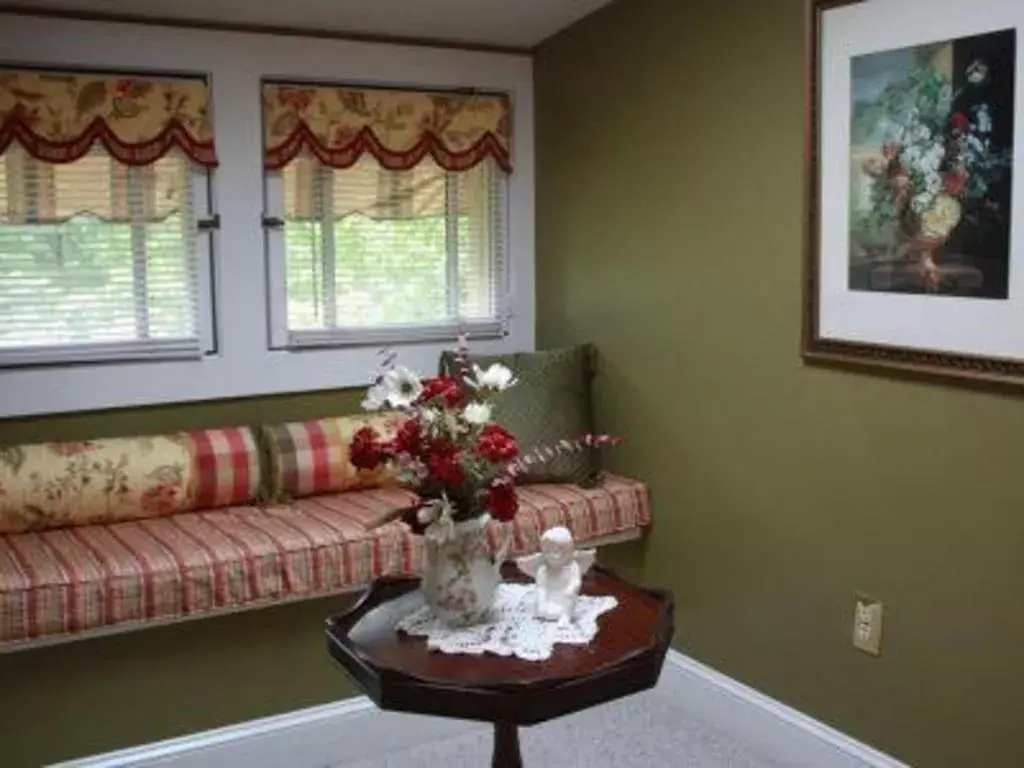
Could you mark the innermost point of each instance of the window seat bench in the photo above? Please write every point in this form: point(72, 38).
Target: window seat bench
point(74, 582)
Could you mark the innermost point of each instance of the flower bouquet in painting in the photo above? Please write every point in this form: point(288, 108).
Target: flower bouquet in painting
point(931, 138)
point(447, 449)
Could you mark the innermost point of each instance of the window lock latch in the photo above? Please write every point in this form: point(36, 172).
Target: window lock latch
point(272, 222)
point(209, 224)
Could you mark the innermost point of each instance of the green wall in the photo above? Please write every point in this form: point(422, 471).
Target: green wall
point(96, 695)
point(92, 696)
point(670, 226)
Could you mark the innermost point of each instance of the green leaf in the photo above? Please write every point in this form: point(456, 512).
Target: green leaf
point(91, 96)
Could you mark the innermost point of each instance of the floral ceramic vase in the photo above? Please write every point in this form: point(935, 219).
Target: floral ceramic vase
point(461, 577)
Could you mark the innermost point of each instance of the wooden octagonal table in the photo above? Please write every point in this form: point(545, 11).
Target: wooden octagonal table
point(398, 672)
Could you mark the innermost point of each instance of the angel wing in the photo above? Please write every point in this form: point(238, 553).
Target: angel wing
point(529, 564)
point(585, 558)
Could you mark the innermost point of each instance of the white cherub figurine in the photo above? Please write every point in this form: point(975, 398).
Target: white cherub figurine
point(558, 570)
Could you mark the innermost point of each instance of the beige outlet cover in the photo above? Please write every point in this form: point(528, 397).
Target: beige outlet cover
point(867, 625)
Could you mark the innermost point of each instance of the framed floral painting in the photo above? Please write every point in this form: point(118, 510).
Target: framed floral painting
point(915, 257)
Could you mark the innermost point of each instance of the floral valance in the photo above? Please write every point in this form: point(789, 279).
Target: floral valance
point(399, 128)
point(58, 116)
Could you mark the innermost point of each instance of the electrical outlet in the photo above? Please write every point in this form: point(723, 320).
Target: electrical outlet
point(867, 624)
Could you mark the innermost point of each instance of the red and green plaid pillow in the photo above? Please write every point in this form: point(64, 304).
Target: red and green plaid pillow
point(311, 457)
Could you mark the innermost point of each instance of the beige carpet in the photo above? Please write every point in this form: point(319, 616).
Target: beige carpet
point(648, 730)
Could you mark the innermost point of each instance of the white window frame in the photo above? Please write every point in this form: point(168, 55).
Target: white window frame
point(242, 363)
point(281, 338)
point(123, 351)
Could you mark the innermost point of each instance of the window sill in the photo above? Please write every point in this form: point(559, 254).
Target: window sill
point(52, 390)
point(99, 354)
point(394, 336)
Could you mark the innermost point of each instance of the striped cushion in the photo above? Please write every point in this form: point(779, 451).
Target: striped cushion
point(74, 579)
point(616, 505)
point(311, 457)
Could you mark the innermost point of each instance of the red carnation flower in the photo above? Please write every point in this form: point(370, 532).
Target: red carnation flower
point(502, 501)
point(497, 444)
point(956, 183)
point(408, 438)
point(431, 389)
point(365, 451)
point(445, 388)
point(960, 122)
point(444, 468)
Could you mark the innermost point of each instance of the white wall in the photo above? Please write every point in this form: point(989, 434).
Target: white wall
point(235, 62)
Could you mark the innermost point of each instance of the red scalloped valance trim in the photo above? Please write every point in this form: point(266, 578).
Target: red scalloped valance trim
point(174, 136)
point(366, 142)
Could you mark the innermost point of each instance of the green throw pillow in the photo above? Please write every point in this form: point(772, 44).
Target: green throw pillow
point(551, 401)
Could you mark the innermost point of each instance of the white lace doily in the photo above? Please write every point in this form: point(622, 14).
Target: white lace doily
point(514, 630)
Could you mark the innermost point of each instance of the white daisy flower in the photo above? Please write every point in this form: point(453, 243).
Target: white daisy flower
point(983, 119)
point(477, 413)
point(977, 72)
point(376, 398)
point(402, 387)
point(922, 202)
point(945, 97)
point(931, 160)
point(427, 514)
point(497, 376)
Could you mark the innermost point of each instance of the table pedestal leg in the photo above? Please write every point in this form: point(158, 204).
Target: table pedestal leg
point(506, 747)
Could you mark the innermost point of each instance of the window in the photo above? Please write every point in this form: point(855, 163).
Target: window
point(371, 254)
point(101, 259)
point(369, 246)
point(145, 98)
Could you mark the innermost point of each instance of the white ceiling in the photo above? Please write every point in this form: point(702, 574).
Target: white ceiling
point(513, 23)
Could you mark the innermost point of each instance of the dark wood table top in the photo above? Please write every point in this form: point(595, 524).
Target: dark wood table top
point(399, 673)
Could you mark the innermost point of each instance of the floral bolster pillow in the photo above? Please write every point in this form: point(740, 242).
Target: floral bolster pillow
point(311, 457)
point(51, 485)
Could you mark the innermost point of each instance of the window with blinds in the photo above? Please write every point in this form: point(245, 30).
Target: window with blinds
point(100, 260)
point(103, 179)
point(365, 254)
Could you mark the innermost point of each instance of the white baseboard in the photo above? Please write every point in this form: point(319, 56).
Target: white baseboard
point(348, 730)
point(354, 729)
point(780, 733)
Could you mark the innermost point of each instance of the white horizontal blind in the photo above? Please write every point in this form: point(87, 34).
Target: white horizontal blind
point(375, 255)
point(100, 260)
